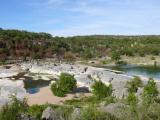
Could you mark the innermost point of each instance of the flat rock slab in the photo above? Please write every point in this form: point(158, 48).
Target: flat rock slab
point(84, 75)
point(9, 88)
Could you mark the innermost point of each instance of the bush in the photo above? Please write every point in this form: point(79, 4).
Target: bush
point(69, 56)
point(92, 113)
point(64, 85)
point(150, 92)
point(64, 112)
point(14, 110)
point(132, 99)
point(134, 84)
point(153, 58)
point(110, 99)
point(100, 90)
point(36, 111)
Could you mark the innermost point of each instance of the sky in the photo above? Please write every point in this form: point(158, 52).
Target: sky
point(82, 17)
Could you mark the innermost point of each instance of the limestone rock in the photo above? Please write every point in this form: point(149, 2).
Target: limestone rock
point(26, 117)
point(49, 114)
point(76, 114)
point(10, 88)
point(114, 109)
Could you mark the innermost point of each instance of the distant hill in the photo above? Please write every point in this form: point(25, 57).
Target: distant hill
point(16, 44)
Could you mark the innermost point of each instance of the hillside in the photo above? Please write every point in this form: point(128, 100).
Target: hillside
point(16, 44)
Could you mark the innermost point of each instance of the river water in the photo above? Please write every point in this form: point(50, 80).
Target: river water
point(135, 70)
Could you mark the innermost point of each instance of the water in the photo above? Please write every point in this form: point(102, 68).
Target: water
point(32, 86)
point(134, 70)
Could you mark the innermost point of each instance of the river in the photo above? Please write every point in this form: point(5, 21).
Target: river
point(135, 70)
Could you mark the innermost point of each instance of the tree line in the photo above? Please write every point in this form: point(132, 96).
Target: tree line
point(16, 44)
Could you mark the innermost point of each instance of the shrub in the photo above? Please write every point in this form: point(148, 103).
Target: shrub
point(153, 58)
point(132, 99)
point(150, 92)
point(88, 53)
point(64, 112)
point(100, 90)
point(134, 84)
point(110, 99)
point(36, 111)
point(92, 113)
point(64, 85)
point(14, 110)
point(69, 56)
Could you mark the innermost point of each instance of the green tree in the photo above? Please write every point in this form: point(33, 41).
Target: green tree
point(115, 56)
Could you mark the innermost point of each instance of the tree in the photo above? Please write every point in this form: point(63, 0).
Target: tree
point(69, 56)
point(115, 56)
point(88, 53)
point(65, 84)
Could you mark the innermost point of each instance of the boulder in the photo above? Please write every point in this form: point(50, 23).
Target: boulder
point(10, 88)
point(114, 109)
point(76, 114)
point(26, 117)
point(49, 114)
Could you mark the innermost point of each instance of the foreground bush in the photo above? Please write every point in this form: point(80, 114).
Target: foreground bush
point(150, 92)
point(64, 85)
point(101, 90)
point(14, 110)
point(92, 113)
point(132, 99)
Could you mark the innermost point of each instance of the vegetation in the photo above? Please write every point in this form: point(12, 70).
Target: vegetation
point(16, 44)
point(23, 45)
point(92, 113)
point(13, 111)
point(115, 56)
point(134, 84)
point(132, 99)
point(101, 90)
point(135, 108)
point(64, 85)
point(149, 101)
point(150, 92)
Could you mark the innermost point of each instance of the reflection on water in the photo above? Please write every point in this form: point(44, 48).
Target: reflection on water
point(30, 84)
point(147, 71)
point(33, 86)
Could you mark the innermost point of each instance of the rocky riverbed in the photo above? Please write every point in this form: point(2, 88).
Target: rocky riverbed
point(85, 76)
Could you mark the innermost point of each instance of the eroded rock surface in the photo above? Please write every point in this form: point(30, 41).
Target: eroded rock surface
point(10, 88)
point(49, 114)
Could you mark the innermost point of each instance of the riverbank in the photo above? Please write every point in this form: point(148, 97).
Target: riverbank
point(84, 74)
point(146, 60)
point(49, 71)
point(46, 96)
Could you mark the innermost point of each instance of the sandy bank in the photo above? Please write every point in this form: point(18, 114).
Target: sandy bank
point(45, 96)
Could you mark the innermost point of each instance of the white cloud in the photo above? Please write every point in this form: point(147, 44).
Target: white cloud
point(78, 17)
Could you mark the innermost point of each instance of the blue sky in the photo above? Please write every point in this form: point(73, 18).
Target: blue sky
point(82, 17)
